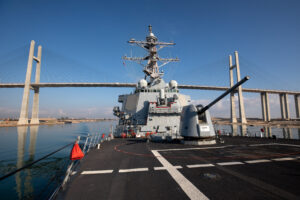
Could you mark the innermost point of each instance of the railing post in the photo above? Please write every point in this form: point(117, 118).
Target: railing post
point(100, 138)
point(69, 170)
point(90, 143)
point(95, 140)
point(85, 143)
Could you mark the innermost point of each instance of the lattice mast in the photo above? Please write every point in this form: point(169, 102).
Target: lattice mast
point(152, 45)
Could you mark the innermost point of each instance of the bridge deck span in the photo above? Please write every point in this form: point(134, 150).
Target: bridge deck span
point(197, 87)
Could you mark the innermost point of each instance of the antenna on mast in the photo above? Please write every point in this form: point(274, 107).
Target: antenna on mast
point(150, 28)
point(152, 45)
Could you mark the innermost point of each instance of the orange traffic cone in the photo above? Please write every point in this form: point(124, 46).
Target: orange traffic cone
point(76, 153)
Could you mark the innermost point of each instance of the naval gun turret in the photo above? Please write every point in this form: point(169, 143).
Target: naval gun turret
point(156, 109)
point(196, 125)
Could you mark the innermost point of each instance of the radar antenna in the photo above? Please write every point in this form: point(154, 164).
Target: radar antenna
point(152, 45)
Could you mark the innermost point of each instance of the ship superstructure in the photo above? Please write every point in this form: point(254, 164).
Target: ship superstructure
point(157, 108)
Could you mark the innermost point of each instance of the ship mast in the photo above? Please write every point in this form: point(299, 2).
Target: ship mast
point(152, 45)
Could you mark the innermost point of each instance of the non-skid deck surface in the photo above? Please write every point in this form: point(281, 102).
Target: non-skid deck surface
point(241, 168)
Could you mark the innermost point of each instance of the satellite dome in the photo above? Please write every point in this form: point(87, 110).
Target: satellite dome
point(142, 83)
point(173, 84)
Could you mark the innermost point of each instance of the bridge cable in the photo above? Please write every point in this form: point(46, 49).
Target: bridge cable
point(257, 71)
point(11, 62)
point(73, 65)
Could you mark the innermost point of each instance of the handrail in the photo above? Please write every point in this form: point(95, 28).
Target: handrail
point(94, 139)
point(32, 163)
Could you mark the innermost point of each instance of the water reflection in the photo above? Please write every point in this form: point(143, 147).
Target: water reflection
point(286, 133)
point(32, 143)
point(268, 131)
point(33, 135)
point(22, 133)
point(22, 145)
point(243, 130)
point(234, 129)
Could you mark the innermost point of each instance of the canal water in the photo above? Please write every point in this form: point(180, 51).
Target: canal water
point(22, 145)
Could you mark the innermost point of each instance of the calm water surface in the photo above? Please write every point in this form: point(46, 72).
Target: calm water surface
point(22, 145)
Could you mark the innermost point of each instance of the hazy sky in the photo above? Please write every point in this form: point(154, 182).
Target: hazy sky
point(83, 41)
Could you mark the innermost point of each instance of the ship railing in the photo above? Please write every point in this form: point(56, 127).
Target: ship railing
point(34, 162)
point(164, 110)
point(90, 142)
point(32, 168)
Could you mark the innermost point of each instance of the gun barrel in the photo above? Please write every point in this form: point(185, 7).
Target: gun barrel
point(224, 94)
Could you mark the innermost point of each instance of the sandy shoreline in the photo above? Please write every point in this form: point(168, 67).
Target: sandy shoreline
point(53, 122)
point(293, 123)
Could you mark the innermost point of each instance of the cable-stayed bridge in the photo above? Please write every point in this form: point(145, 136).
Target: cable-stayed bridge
point(23, 120)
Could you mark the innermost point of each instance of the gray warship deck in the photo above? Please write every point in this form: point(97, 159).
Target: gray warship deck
point(240, 168)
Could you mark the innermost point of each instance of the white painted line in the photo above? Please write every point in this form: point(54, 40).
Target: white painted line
point(281, 144)
point(230, 163)
point(196, 148)
point(133, 170)
point(222, 147)
point(268, 144)
point(164, 168)
point(289, 145)
point(283, 159)
point(98, 172)
point(73, 173)
point(190, 190)
point(257, 161)
point(200, 165)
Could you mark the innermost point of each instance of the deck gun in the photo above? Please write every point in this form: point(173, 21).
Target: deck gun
point(195, 122)
point(223, 95)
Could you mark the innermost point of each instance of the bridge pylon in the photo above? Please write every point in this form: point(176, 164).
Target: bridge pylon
point(242, 115)
point(35, 105)
point(23, 120)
